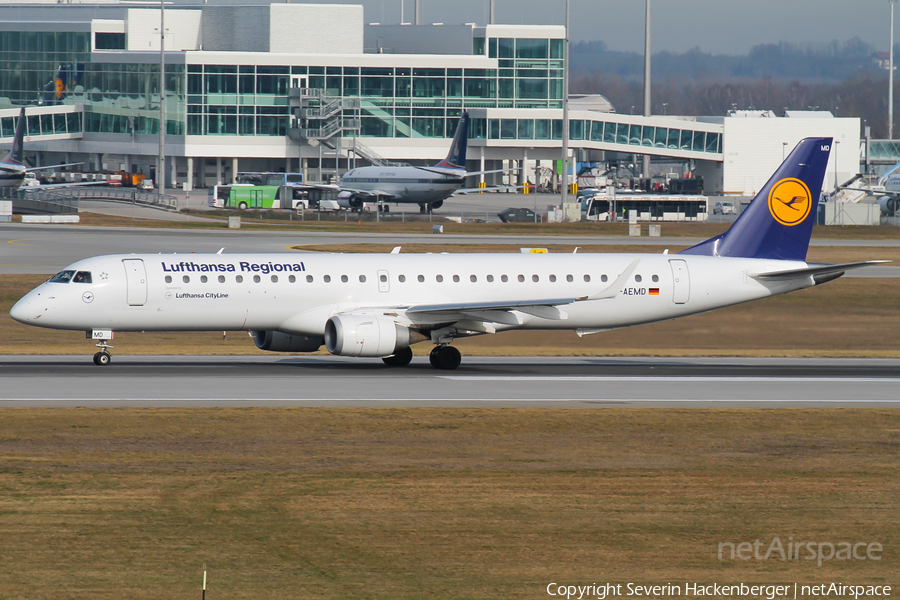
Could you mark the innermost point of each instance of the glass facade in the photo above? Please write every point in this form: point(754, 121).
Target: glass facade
point(50, 68)
point(597, 131)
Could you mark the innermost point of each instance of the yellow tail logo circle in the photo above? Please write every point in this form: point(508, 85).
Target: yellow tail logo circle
point(790, 201)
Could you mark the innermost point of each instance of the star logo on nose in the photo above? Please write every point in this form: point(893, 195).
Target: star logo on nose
point(104, 275)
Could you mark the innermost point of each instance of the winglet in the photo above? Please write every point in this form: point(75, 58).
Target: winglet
point(779, 221)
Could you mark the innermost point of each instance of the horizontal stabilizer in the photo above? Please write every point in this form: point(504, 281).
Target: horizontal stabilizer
point(816, 270)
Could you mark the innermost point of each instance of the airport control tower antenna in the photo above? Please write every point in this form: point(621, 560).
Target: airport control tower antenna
point(645, 163)
point(161, 169)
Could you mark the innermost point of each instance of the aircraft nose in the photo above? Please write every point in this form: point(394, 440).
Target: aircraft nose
point(25, 310)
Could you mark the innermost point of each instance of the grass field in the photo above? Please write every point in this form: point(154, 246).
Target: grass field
point(432, 503)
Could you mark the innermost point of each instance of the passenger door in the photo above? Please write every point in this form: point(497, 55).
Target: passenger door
point(681, 282)
point(136, 280)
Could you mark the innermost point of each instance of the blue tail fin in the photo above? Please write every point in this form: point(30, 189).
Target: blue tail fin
point(779, 221)
point(16, 155)
point(456, 158)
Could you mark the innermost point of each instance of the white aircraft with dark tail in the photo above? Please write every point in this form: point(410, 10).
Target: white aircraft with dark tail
point(377, 305)
point(13, 170)
point(426, 186)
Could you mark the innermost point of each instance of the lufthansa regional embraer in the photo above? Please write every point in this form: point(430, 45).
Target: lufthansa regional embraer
point(377, 305)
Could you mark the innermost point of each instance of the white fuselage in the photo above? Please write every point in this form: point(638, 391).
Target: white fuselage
point(405, 184)
point(298, 293)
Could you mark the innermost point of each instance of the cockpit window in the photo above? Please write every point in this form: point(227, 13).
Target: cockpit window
point(62, 277)
point(82, 277)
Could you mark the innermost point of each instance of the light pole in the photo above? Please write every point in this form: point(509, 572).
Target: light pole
point(565, 123)
point(891, 78)
point(161, 170)
point(665, 105)
point(783, 150)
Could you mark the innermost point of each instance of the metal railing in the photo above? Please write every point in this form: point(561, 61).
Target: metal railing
point(121, 194)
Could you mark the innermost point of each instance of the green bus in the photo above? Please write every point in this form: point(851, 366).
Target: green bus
point(244, 196)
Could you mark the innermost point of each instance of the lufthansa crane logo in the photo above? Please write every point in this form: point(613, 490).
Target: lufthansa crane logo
point(790, 201)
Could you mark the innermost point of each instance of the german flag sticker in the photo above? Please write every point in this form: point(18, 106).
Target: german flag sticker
point(654, 291)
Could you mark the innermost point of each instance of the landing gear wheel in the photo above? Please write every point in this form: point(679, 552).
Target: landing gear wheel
point(423, 209)
point(446, 358)
point(401, 358)
point(102, 359)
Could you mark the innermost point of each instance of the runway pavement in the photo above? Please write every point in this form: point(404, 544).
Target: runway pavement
point(559, 381)
point(26, 248)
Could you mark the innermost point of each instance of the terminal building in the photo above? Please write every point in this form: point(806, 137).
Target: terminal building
point(314, 88)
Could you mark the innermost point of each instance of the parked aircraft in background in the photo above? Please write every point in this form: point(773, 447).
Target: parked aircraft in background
point(886, 190)
point(377, 305)
point(426, 186)
point(12, 170)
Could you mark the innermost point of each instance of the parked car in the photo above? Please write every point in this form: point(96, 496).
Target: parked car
point(147, 184)
point(723, 208)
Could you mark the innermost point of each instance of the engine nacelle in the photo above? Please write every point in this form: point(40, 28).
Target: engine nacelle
point(359, 335)
point(276, 341)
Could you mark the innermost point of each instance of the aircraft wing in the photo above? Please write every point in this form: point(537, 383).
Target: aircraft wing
point(871, 192)
point(375, 194)
point(501, 188)
point(815, 269)
point(55, 186)
point(29, 170)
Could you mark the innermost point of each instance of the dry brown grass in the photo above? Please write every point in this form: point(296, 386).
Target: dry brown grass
point(432, 503)
point(847, 317)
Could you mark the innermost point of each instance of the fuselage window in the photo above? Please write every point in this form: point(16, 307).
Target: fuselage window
point(239, 279)
point(456, 279)
point(421, 278)
point(439, 278)
point(655, 278)
point(344, 279)
point(472, 278)
point(62, 277)
point(292, 279)
point(274, 278)
point(256, 279)
point(504, 278)
point(587, 278)
point(381, 278)
point(569, 278)
point(168, 279)
point(521, 278)
point(186, 279)
point(83, 277)
point(535, 278)
point(553, 278)
point(490, 278)
point(327, 279)
point(221, 279)
point(203, 279)
point(402, 278)
point(603, 278)
point(638, 278)
point(309, 279)
point(362, 278)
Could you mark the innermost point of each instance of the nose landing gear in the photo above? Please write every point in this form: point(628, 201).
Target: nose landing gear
point(102, 358)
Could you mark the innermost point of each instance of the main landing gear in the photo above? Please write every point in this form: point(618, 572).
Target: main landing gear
point(401, 358)
point(445, 357)
point(102, 358)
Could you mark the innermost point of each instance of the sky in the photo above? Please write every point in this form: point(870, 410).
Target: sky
point(716, 26)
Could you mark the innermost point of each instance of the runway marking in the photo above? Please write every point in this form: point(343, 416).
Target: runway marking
point(672, 379)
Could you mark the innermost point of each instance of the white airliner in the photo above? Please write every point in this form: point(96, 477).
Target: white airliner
point(376, 305)
point(426, 186)
point(12, 171)
point(886, 190)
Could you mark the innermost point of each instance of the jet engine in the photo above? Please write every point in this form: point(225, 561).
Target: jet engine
point(276, 341)
point(361, 335)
